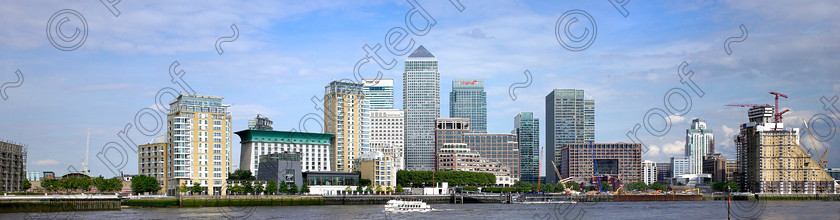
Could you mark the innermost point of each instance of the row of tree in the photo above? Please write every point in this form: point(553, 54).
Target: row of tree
point(454, 178)
point(81, 184)
point(725, 187)
point(270, 188)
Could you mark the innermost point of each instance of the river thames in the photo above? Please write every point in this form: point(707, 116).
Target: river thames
point(601, 210)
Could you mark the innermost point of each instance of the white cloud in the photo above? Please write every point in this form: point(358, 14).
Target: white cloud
point(46, 162)
point(674, 148)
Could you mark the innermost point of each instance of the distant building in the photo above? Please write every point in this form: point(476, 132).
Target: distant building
point(715, 165)
point(699, 142)
point(689, 180)
point(664, 173)
point(49, 175)
point(468, 100)
point(78, 174)
point(347, 115)
point(680, 166)
point(387, 130)
point(315, 148)
point(34, 175)
point(12, 166)
point(379, 169)
point(330, 182)
point(569, 119)
point(380, 92)
point(260, 123)
point(421, 103)
point(771, 160)
point(526, 127)
point(498, 147)
point(834, 173)
point(281, 167)
point(731, 170)
point(152, 161)
point(649, 172)
point(459, 157)
point(622, 159)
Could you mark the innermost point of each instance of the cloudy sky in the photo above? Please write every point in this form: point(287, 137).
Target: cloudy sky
point(285, 52)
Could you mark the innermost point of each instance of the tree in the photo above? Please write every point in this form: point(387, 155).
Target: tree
point(247, 187)
point(182, 189)
point(606, 186)
point(271, 187)
point(359, 189)
point(116, 184)
point(283, 189)
point(364, 182)
point(293, 189)
point(389, 189)
point(26, 185)
point(726, 187)
point(369, 190)
point(241, 175)
point(635, 186)
point(399, 188)
point(574, 186)
point(139, 184)
point(379, 189)
point(258, 188)
point(304, 189)
point(657, 186)
point(196, 188)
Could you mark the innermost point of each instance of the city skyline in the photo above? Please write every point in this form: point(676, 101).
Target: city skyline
point(626, 70)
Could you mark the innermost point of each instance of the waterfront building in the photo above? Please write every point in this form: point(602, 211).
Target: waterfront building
point(498, 147)
point(260, 123)
point(680, 166)
point(281, 167)
point(468, 100)
point(570, 118)
point(771, 160)
point(49, 175)
point(34, 176)
point(315, 148)
point(526, 127)
point(152, 161)
point(699, 142)
point(715, 165)
point(331, 182)
point(347, 115)
point(689, 180)
point(649, 172)
point(664, 173)
point(387, 133)
point(834, 173)
point(379, 169)
point(12, 166)
point(421, 103)
point(380, 93)
point(731, 170)
point(199, 141)
point(611, 159)
point(458, 156)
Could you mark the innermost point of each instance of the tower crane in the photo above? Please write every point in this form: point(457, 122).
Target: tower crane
point(778, 115)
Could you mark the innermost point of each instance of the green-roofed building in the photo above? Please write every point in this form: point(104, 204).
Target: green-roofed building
point(315, 148)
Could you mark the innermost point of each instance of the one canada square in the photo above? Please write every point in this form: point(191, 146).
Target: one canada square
point(421, 102)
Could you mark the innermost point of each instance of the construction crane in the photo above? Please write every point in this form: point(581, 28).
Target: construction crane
point(778, 115)
point(619, 189)
point(823, 163)
point(594, 167)
point(694, 189)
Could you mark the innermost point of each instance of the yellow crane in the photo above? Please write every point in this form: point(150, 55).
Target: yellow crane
point(619, 189)
point(558, 174)
point(695, 189)
point(822, 162)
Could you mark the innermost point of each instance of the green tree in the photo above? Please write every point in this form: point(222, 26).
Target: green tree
point(196, 188)
point(139, 184)
point(241, 175)
point(574, 186)
point(606, 186)
point(657, 186)
point(25, 185)
point(258, 188)
point(51, 185)
point(364, 182)
point(283, 188)
point(271, 187)
point(726, 187)
point(99, 183)
point(399, 188)
point(359, 189)
point(235, 189)
point(247, 187)
point(181, 189)
point(293, 189)
point(116, 184)
point(304, 189)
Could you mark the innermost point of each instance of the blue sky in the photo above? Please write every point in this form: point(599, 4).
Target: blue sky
point(287, 51)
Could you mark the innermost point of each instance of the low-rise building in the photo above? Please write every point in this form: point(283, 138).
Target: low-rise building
point(152, 159)
point(680, 166)
point(314, 148)
point(459, 156)
point(622, 159)
point(281, 167)
point(378, 168)
point(663, 173)
point(331, 182)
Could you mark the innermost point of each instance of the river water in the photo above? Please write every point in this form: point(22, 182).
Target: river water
point(602, 210)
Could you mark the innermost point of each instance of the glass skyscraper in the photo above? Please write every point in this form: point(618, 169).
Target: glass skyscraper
point(421, 103)
point(527, 130)
point(570, 118)
point(468, 100)
point(380, 93)
point(699, 142)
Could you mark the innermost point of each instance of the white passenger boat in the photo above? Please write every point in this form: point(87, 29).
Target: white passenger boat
point(407, 206)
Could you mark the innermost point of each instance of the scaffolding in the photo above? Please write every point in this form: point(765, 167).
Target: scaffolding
point(12, 166)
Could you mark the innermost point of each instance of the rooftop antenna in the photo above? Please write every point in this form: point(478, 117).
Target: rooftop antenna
point(87, 153)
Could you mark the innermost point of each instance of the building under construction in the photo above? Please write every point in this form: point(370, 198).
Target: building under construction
point(12, 166)
point(771, 160)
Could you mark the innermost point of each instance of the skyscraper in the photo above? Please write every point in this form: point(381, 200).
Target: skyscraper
point(387, 133)
point(570, 118)
point(699, 142)
point(346, 115)
point(421, 103)
point(649, 172)
point(527, 130)
point(199, 139)
point(468, 100)
point(380, 93)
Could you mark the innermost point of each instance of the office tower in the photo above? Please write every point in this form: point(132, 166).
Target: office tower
point(611, 159)
point(421, 103)
point(199, 139)
point(527, 130)
point(12, 166)
point(649, 172)
point(570, 118)
point(380, 93)
point(771, 160)
point(468, 100)
point(387, 133)
point(498, 147)
point(314, 148)
point(260, 123)
point(699, 142)
point(663, 173)
point(346, 115)
point(152, 161)
point(715, 165)
point(680, 166)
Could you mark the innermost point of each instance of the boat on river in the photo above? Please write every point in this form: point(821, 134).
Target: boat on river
point(407, 206)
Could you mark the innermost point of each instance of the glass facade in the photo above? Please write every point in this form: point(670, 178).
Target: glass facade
point(421, 103)
point(527, 130)
point(380, 93)
point(570, 118)
point(331, 179)
point(468, 100)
